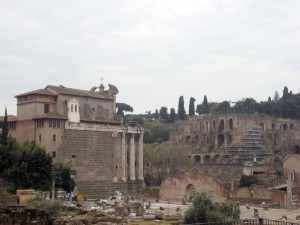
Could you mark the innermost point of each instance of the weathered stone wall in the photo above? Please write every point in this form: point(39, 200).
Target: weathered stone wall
point(258, 193)
point(93, 154)
point(175, 188)
point(105, 188)
point(226, 174)
point(96, 158)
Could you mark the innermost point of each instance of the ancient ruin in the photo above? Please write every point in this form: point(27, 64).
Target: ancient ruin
point(226, 144)
point(81, 128)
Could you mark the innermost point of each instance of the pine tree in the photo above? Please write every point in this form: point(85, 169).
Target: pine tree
point(192, 106)
point(181, 110)
point(285, 94)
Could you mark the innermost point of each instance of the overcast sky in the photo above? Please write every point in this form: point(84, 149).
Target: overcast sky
point(154, 51)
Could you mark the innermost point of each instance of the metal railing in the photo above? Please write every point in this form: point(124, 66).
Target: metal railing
point(259, 221)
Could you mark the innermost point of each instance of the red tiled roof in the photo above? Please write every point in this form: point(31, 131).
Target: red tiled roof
point(37, 92)
point(51, 116)
point(77, 92)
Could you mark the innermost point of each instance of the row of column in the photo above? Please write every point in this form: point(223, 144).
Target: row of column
point(132, 157)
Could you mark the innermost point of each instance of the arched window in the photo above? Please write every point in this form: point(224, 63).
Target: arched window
point(230, 124)
point(221, 126)
point(197, 159)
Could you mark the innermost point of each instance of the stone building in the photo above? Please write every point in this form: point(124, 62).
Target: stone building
point(81, 128)
point(237, 138)
point(225, 145)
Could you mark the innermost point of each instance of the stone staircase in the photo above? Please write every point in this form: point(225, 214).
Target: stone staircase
point(6, 199)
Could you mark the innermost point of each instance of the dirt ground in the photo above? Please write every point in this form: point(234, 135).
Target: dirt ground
point(272, 214)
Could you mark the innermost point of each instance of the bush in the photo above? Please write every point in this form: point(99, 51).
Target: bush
point(204, 210)
point(247, 181)
point(50, 206)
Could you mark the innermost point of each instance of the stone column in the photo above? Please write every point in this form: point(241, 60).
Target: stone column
point(141, 160)
point(132, 158)
point(124, 157)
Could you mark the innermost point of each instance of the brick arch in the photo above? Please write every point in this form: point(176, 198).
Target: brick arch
point(221, 140)
point(207, 141)
point(230, 124)
point(197, 159)
point(221, 125)
point(190, 192)
point(216, 158)
point(206, 159)
point(206, 127)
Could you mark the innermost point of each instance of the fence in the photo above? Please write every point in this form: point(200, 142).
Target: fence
point(259, 221)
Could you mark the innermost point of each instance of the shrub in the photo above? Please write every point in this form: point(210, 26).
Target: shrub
point(50, 206)
point(247, 181)
point(204, 210)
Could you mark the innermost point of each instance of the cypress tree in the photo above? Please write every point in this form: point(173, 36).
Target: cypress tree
point(172, 115)
point(205, 105)
point(181, 110)
point(5, 129)
point(156, 115)
point(192, 106)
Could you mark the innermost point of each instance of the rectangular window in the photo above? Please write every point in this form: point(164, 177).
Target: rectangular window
point(54, 137)
point(12, 125)
point(46, 108)
point(53, 154)
point(40, 138)
point(73, 156)
point(50, 123)
point(54, 123)
point(40, 123)
point(58, 124)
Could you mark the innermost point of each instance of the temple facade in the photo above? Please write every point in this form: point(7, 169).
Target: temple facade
point(81, 128)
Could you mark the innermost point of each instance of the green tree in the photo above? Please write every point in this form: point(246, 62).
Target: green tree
point(27, 166)
point(156, 115)
point(192, 107)
point(9, 154)
point(163, 112)
point(121, 107)
point(248, 104)
point(181, 110)
point(5, 130)
point(63, 177)
point(285, 94)
point(172, 115)
point(204, 210)
point(248, 180)
point(156, 133)
point(205, 107)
